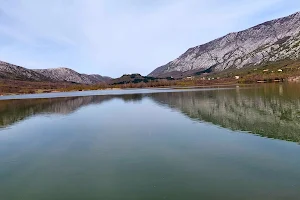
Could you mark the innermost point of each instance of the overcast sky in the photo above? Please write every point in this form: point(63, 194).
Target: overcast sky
point(113, 37)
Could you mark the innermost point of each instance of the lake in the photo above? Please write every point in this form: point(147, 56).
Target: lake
point(231, 143)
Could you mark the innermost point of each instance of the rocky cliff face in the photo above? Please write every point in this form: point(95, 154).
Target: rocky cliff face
point(10, 71)
point(271, 41)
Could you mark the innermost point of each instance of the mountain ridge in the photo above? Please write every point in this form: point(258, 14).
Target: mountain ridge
point(269, 41)
point(60, 74)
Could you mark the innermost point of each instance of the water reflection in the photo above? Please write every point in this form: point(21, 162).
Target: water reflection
point(12, 111)
point(270, 110)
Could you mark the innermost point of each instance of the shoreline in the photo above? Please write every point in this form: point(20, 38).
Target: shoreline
point(78, 93)
point(46, 92)
point(111, 89)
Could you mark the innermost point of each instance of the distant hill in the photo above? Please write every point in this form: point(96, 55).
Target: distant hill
point(271, 41)
point(10, 71)
point(14, 72)
point(134, 78)
point(97, 78)
point(66, 74)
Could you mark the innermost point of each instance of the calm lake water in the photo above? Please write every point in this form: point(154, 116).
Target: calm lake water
point(236, 143)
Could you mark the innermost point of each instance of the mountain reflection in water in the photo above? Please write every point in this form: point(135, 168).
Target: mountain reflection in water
point(271, 111)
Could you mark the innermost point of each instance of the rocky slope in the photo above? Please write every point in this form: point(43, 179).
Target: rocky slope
point(271, 41)
point(98, 78)
point(66, 74)
point(10, 71)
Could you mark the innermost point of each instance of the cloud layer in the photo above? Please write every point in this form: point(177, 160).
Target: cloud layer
point(113, 37)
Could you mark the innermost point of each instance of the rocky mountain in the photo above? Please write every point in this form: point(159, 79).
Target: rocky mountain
point(66, 74)
point(268, 42)
point(98, 78)
point(10, 71)
point(14, 72)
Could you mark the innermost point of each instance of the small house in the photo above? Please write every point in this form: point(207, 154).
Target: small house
point(189, 78)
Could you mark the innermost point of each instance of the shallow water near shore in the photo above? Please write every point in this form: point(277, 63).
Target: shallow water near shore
point(233, 143)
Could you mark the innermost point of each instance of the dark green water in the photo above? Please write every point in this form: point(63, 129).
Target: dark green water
point(211, 144)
